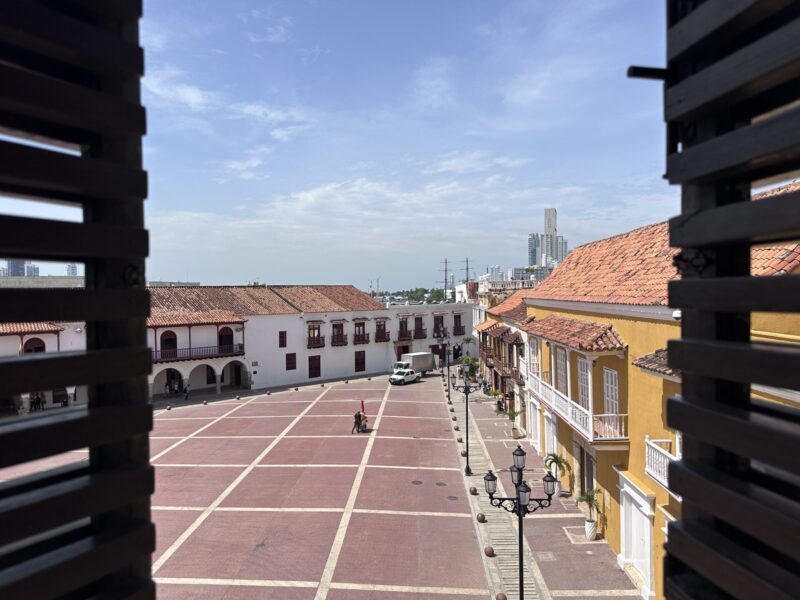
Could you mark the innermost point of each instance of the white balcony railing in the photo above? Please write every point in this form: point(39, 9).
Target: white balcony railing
point(594, 427)
point(657, 459)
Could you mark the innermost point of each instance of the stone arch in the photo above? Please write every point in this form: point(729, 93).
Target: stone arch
point(235, 374)
point(203, 376)
point(225, 338)
point(168, 344)
point(168, 375)
point(33, 344)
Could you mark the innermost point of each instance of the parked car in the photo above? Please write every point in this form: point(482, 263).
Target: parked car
point(405, 376)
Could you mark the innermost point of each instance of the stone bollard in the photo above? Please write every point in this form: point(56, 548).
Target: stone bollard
point(238, 397)
point(205, 402)
point(460, 440)
point(473, 490)
point(169, 407)
point(488, 551)
point(455, 427)
point(481, 518)
point(464, 453)
point(501, 596)
point(453, 417)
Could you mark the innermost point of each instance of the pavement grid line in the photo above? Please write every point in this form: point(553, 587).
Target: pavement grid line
point(344, 523)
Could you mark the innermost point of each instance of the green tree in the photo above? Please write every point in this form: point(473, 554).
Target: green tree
point(436, 295)
point(469, 364)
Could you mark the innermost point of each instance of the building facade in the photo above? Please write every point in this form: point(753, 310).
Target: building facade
point(585, 365)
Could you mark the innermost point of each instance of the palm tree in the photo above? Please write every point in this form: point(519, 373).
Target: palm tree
point(590, 498)
point(559, 465)
point(469, 364)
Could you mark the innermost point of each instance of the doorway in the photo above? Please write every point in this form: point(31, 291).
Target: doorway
point(636, 532)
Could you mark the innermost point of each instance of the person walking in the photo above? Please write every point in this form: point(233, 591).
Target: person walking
point(356, 422)
point(186, 391)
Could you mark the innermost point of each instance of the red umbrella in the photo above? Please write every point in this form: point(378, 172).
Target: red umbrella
point(362, 407)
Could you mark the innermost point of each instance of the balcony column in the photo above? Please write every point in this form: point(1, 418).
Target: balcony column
point(219, 383)
point(190, 340)
point(590, 383)
point(569, 373)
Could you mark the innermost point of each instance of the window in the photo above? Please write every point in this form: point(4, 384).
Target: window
point(417, 323)
point(610, 392)
point(457, 321)
point(313, 332)
point(438, 324)
point(361, 361)
point(583, 381)
point(291, 361)
point(225, 337)
point(360, 328)
point(281, 339)
point(561, 370)
point(380, 328)
point(314, 366)
point(404, 324)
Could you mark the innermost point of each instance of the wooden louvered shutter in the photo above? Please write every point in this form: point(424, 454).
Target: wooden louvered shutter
point(69, 78)
point(733, 120)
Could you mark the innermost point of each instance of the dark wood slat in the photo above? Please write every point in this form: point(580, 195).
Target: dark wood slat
point(734, 568)
point(737, 294)
point(41, 238)
point(38, 479)
point(65, 304)
point(767, 63)
point(757, 362)
point(119, 10)
point(759, 512)
point(40, 97)
point(55, 573)
point(47, 370)
point(44, 173)
point(765, 148)
point(769, 220)
point(49, 32)
point(715, 20)
point(689, 586)
point(746, 433)
point(34, 511)
point(135, 588)
point(23, 440)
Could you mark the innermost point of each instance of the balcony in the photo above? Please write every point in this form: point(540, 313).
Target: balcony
point(160, 356)
point(339, 339)
point(600, 427)
point(360, 338)
point(420, 334)
point(459, 330)
point(316, 341)
point(404, 335)
point(657, 459)
point(382, 336)
point(440, 332)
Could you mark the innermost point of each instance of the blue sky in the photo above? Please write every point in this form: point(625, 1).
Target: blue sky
point(346, 140)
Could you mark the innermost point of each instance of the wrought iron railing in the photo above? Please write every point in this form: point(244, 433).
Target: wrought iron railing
point(404, 335)
point(459, 330)
point(420, 334)
point(167, 355)
point(339, 339)
point(382, 336)
point(360, 338)
point(316, 342)
point(657, 459)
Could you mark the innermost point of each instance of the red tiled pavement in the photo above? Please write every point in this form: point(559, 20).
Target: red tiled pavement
point(324, 426)
point(422, 428)
point(299, 487)
point(167, 591)
point(410, 550)
point(178, 426)
point(211, 411)
point(263, 409)
point(215, 451)
point(413, 453)
point(345, 407)
point(318, 451)
point(170, 524)
point(43, 464)
point(418, 490)
point(239, 426)
point(256, 545)
point(192, 486)
point(416, 409)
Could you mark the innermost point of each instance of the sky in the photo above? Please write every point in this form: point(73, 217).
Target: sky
point(342, 141)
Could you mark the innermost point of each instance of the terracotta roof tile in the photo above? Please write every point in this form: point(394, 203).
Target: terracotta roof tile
point(580, 335)
point(210, 317)
point(512, 308)
point(240, 300)
point(657, 363)
point(499, 332)
point(327, 298)
point(485, 326)
point(29, 327)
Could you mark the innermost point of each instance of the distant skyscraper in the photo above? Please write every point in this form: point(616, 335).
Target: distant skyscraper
point(496, 273)
point(16, 267)
point(550, 225)
point(31, 270)
point(72, 270)
point(534, 249)
point(547, 248)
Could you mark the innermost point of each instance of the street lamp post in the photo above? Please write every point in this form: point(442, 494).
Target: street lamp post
point(521, 504)
point(466, 387)
point(444, 340)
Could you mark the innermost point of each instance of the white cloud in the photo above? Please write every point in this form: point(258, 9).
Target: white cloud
point(275, 30)
point(472, 162)
point(285, 123)
point(431, 84)
point(247, 168)
point(167, 87)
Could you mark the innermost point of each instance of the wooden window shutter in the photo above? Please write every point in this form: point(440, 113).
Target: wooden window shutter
point(69, 77)
point(732, 84)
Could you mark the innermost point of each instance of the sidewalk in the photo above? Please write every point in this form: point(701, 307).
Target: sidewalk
point(565, 564)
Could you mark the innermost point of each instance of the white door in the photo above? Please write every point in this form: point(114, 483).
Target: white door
point(550, 435)
point(583, 381)
point(636, 538)
point(533, 424)
point(561, 370)
point(610, 392)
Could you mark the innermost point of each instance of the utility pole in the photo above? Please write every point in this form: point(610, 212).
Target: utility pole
point(445, 279)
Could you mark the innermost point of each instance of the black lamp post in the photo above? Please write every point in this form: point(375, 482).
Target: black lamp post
point(466, 387)
point(444, 340)
point(522, 504)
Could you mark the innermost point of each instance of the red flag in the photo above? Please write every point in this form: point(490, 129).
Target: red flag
point(362, 407)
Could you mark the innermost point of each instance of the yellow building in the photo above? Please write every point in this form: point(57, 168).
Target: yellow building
point(589, 354)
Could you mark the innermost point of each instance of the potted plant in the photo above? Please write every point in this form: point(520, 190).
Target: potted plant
point(512, 415)
point(558, 465)
point(590, 500)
